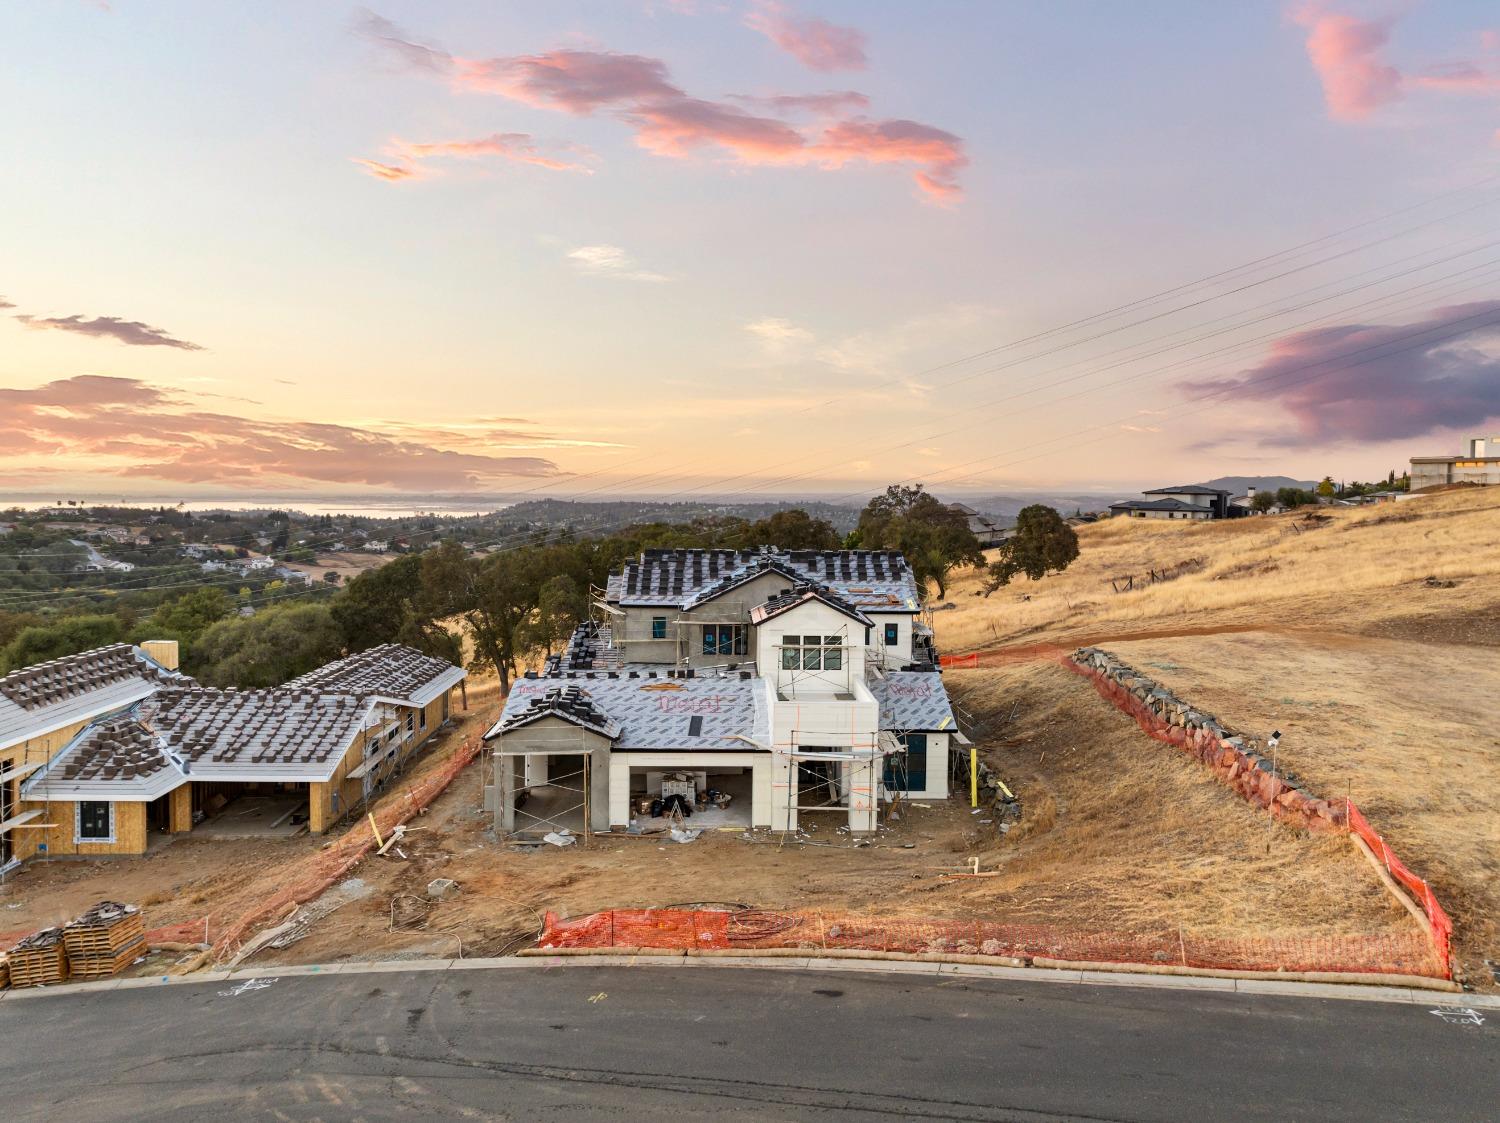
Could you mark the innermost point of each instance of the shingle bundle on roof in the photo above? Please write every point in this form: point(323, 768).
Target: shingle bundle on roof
point(571, 703)
point(116, 749)
point(75, 675)
point(868, 578)
point(258, 727)
point(801, 593)
point(391, 670)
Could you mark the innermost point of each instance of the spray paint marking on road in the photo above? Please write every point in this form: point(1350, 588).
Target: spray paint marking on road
point(245, 987)
point(1460, 1016)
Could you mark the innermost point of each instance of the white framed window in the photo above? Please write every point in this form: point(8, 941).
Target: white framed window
point(93, 821)
point(812, 653)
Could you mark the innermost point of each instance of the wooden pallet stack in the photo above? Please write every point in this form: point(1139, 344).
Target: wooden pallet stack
point(104, 940)
point(39, 959)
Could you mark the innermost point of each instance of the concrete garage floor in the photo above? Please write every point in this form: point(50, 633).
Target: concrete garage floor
point(256, 816)
point(706, 817)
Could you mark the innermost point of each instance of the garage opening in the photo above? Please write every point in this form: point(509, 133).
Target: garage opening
point(706, 798)
point(249, 810)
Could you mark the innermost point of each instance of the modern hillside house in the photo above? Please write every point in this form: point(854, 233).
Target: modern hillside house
point(102, 749)
point(764, 688)
point(1190, 501)
point(1479, 464)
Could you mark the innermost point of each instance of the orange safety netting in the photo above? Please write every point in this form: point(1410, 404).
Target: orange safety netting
point(1344, 813)
point(316, 873)
point(1437, 918)
point(1401, 953)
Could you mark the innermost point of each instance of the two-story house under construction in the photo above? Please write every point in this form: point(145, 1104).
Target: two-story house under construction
point(762, 687)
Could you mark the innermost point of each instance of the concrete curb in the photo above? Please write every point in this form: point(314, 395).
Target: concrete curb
point(1264, 987)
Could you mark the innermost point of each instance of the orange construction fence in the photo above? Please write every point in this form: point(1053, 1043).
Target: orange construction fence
point(1438, 921)
point(1406, 953)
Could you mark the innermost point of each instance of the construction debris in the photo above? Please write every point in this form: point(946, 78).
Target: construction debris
point(104, 940)
point(39, 959)
point(440, 888)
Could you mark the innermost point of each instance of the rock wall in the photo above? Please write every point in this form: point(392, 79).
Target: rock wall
point(1234, 758)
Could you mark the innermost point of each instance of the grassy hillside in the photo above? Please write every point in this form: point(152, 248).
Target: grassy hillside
point(1367, 637)
point(1360, 569)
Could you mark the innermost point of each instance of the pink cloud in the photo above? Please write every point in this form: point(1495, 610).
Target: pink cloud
point(1345, 51)
point(577, 82)
point(1458, 77)
point(519, 148)
point(160, 435)
point(830, 104)
point(1364, 382)
point(670, 122)
point(391, 173)
point(815, 43)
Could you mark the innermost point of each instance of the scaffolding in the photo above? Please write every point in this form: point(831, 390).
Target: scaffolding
point(548, 817)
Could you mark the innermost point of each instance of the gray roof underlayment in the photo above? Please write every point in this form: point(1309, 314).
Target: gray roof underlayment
point(913, 700)
point(660, 713)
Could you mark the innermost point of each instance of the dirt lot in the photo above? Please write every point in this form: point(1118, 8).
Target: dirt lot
point(1405, 728)
point(1091, 852)
point(348, 564)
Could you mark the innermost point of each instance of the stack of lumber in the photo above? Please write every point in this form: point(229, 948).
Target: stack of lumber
point(39, 959)
point(4, 970)
point(104, 940)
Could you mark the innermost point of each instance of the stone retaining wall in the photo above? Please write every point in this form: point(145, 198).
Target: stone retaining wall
point(1234, 758)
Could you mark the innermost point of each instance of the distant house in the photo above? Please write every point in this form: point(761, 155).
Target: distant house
point(980, 526)
point(1480, 464)
point(1190, 501)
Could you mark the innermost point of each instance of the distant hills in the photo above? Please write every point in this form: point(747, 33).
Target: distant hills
point(1239, 484)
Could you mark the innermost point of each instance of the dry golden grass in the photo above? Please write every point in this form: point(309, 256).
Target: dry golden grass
point(1125, 833)
point(1362, 570)
point(1407, 730)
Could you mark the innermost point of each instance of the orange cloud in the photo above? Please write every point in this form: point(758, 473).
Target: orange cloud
point(132, 429)
point(1345, 51)
point(814, 42)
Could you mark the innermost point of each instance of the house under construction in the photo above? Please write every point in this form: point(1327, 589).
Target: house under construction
point(761, 688)
point(102, 750)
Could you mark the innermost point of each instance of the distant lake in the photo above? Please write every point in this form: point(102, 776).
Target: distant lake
point(364, 506)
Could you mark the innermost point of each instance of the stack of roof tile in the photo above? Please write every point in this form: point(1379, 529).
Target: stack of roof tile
point(104, 940)
point(59, 679)
point(39, 959)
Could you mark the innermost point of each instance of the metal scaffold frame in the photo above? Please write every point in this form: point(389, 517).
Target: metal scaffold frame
point(551, 823)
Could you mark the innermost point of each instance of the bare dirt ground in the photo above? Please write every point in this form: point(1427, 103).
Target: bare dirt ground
point(1406, 729)
point(1092, 852)
point(347, 564)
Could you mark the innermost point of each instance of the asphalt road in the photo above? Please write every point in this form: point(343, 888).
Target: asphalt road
point(661, 1043)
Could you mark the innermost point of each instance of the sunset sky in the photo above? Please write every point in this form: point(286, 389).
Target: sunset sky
point(705, 248)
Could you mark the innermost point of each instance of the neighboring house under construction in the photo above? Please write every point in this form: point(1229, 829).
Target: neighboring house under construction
point(103, 749)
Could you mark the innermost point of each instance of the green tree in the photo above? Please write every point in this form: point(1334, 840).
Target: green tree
point(371, 608)
point(267, 649)
point(934, 538)
point(1043, 543)
point(793, 529)
point(187, 617)
point(1327, 487)
point(1263, 501)
point(560, 605)
point(66, 635)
